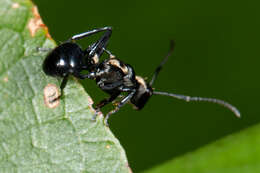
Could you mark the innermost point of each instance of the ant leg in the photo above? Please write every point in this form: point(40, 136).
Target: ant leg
point(109, 53)
point(62, 86)
point(91, 75)
point(109, 86)
point(91, 32)
point(97, 48)
point(104, 102)
point(122, 103)
point(125, 89)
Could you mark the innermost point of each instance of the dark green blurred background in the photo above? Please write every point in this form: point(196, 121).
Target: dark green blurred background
point(216, 55)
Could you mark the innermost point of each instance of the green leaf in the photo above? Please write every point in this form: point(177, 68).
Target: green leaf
point(235, 153)
point(36, 136)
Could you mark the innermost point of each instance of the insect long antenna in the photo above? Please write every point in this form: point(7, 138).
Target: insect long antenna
point(201, 99)
point(158, 69)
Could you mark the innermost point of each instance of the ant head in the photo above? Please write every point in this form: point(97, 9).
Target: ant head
point(144, 89)
point(65, 59)
point(143, 93)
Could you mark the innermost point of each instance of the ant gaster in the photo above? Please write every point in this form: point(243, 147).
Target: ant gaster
point(69, 59)
point(113, 76)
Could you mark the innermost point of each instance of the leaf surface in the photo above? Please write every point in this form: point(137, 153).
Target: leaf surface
point(36, 136)
point(236, 153)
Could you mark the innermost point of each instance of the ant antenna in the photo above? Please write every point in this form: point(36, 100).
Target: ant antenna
point(158, 69)
point(201, 99)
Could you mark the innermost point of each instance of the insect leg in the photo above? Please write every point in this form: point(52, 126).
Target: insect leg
point(91, 32)
point(109, 86)
point(104, 102)
point(98, 47)
point(121, 103)
point(91, 75)
point(62, 86)
point(109, 53)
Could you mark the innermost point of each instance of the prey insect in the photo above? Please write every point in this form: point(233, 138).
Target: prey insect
point(114, 77)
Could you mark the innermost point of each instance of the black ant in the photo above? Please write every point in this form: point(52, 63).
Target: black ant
point(112, 75)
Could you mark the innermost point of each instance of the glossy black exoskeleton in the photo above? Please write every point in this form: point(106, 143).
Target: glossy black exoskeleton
point(114, 77)
point(69, 59)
